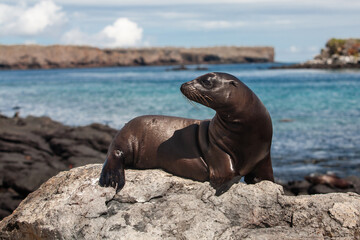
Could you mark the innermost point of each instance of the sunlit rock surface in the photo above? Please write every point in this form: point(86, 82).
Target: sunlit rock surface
point(156, 205)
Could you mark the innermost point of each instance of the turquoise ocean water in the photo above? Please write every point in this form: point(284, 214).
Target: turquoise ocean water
point(323, 104)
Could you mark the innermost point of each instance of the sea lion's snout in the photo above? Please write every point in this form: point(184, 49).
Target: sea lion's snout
point(184, 87)
point(191, 91)
point(186, 90)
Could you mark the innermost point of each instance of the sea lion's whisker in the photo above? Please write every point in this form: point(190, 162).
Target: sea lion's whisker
point(203, 97)
point(197, 95)
point(208, 97)
point(192, 95)
point(200, 96)
point(190, 101)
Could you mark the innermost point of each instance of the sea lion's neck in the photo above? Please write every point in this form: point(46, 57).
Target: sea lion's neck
point(220, 125)
point(239, 110)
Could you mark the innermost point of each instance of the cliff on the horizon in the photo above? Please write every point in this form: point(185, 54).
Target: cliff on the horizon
point(61, 56)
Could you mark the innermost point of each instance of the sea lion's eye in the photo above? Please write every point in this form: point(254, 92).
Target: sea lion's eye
point(118, 153)
point(205, 82)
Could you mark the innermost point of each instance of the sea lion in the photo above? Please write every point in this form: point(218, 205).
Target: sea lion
point(235, 143)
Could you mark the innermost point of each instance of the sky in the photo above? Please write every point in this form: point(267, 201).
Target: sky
point(297, 29)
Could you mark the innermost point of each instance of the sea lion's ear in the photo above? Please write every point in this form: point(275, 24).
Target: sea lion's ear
point(234, 83)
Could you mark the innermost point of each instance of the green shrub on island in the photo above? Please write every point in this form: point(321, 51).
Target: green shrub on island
point(335, 45)
point(347, 47)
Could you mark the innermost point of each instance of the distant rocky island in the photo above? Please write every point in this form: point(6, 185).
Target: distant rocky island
point(63, 56)
point(337, 54)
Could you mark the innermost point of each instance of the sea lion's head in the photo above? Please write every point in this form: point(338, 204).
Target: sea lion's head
point(215, 90)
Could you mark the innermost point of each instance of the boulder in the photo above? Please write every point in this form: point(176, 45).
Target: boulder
point(33, 149)
point(156, 205)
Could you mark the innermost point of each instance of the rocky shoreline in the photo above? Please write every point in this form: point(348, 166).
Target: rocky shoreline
point(309, 65)
point(63, 56)
point(337, 54)
point(33, 149)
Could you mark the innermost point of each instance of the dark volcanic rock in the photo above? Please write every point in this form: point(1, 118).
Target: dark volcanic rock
point(355, 181)
point(321, 184)
point(34, 149)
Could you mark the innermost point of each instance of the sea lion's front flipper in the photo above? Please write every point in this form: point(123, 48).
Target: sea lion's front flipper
point(262, 171)
point(227, 185)
point(112, 175)
point(221, 169)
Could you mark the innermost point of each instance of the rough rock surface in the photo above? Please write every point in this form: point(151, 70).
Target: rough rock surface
point(58, 56)
point(157, 205)
point(33, 149)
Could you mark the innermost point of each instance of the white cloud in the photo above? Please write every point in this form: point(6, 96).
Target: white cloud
point(29, 21)
point(313, 49)
point(303, 49)
point(280, 22)
point(332, 3)
point(30, 42)
point(294, 49)
point(121, 33)
point(76, 37)
point(326, 4)
point(176, 15)
point(213, 25)
point(221, 24)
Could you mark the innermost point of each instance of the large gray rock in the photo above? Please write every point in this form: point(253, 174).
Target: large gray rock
point(156, 205)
